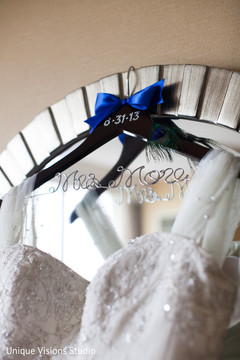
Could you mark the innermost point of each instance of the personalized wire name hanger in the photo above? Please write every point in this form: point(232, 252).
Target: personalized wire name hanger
point(129, 113)
point(135, 120)
point(159, 132)
point(132, 119)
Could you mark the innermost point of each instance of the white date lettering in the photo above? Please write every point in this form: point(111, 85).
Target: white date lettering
point(120, 119)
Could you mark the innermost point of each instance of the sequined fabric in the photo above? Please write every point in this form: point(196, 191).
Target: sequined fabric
point(160, 298)
point(41, 302)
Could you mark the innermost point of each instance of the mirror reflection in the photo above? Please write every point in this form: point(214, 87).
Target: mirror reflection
point(145, 198)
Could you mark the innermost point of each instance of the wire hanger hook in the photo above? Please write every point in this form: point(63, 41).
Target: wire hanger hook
point(131, 68)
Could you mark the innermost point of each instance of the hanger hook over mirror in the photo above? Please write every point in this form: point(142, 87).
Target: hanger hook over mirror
point(131, 68)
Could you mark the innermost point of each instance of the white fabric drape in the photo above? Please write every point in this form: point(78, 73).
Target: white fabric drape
point(14, 217)
point(210, 211)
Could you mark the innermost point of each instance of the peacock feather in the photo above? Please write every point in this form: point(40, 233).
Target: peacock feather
point(165, 137)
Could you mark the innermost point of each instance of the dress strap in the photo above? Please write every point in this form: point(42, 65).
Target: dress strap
point(13, 215)
point(210, 211)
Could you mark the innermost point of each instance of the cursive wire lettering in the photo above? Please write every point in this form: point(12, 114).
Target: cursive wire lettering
point(86, 182)
point(148, 195)
point(125, 179)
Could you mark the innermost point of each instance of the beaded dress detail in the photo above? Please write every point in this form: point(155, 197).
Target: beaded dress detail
point(42, 301)
point(162, 297)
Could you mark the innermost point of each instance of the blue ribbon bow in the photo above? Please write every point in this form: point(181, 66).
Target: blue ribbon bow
point(107, 104)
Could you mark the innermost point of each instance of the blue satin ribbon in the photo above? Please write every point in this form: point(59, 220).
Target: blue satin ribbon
point(107, 104)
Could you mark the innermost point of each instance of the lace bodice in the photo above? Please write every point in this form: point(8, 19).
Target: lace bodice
point(161, 297)
point(41, 301)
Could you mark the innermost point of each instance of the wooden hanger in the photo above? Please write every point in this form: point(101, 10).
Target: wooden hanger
point(137, 123)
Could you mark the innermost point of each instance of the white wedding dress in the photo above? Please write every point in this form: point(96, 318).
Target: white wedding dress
point(162, 297)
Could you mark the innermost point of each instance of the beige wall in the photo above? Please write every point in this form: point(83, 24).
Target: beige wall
point(48, 48)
